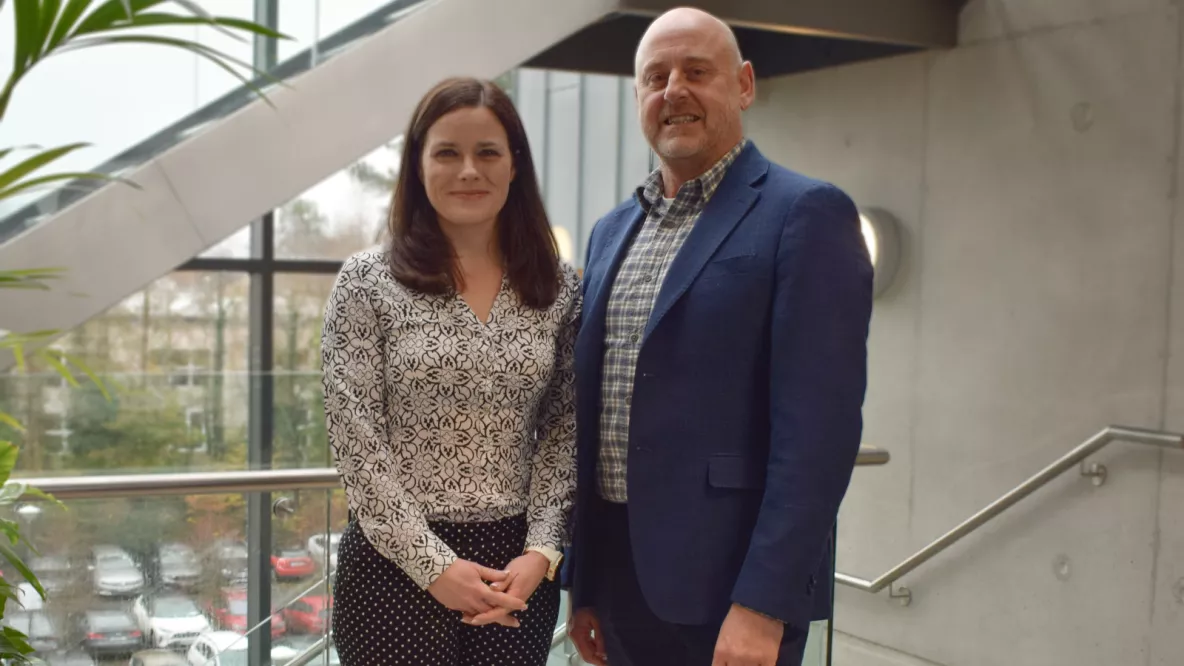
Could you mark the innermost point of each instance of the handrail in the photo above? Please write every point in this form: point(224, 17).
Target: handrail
point(1011, 498)
point(182, 483)
point(241, 481)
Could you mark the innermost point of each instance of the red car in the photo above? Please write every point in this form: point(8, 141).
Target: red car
point(230, 612)
point(309, 615)
point(292, 563)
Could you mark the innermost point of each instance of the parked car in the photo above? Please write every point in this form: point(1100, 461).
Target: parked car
point(55, 572)
point(309, 614)
point(177, 566)
point(43, 633)
point(169, 620)
point(316, 547)
point(229, 559)
point(291, 563)
point(105, 632)
point(229, 648)
point(229, 611)
point(157, 658)
point(114, 572)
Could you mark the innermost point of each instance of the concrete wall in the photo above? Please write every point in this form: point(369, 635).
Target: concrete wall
point(588, 149)
point(1035, 169)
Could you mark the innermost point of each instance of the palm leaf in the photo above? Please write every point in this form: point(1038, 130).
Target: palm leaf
point(66, 23)
point(90, 374)
point(61, 368)
point(27, 25)
point(35, 162)
point(111, 13)
point(49, 16)
point(9, 421)
point(211, 54)
point(9, 554)
point(28, 278)
point(69, 175)
point(151, 20)
point(8, 456)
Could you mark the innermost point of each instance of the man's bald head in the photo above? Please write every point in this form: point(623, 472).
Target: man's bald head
point(692, 87)
point(690, 19)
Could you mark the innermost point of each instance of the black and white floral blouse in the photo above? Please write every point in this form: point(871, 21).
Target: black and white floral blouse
point(435, 416)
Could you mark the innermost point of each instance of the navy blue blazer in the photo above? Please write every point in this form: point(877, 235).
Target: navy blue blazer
point(747, 399)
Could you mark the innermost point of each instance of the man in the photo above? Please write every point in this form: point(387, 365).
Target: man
point(721, 370)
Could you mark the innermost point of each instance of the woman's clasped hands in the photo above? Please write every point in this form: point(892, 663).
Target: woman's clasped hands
point(485, 595)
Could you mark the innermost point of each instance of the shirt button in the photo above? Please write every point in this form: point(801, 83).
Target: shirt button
point(628, 400)
point(634, 338)
point(647, 278)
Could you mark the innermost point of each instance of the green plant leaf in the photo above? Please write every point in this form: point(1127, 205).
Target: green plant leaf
point(37, 492)
point(219, 23)
point(67, 21)
point(14, 646)
point(49, 16)
point(27, 26)
point(24, 168)
point(8, 456)
point(8, 420)
point(127, 7)
point(11, 492)
point(29, 278)
point(18, 355)
point(13, 559)
point(111, 13)
point(94, 378)
point(61, 368)
point(213, 55)
point(69, 175)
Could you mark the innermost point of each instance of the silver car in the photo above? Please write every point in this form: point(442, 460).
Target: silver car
point(114, 573)
point(178, 565)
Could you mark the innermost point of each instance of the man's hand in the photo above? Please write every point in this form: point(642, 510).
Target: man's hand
point(525, 574)
point(583, 628)
point(463, 587)
point(748, 639)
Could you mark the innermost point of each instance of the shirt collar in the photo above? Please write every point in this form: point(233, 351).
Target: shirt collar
point(698, 189)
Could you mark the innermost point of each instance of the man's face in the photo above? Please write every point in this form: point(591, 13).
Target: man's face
point(691, 90)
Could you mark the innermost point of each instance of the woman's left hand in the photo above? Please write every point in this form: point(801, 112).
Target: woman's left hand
point(526, 573)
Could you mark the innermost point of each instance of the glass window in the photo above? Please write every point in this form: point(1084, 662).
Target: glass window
point(237, 246)
point(344, 213)
point(174, 359)
point(299, 422)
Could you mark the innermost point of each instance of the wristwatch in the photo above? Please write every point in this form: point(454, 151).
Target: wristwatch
point(553, 556)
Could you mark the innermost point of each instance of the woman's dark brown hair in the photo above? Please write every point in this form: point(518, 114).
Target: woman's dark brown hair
point(421, 256)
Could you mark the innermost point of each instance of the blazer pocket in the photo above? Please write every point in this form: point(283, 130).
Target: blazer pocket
point(734, 264)
point(735, 471)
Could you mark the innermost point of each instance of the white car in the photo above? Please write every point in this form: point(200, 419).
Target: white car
point(316, 547)
point(229, 648)
point(169, 620)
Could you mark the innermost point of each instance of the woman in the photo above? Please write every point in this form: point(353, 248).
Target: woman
point(449, 401)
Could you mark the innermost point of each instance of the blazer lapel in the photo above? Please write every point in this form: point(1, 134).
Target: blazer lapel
point(730, 203)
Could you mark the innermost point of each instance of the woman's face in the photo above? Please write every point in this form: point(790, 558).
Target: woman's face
point(467, 167)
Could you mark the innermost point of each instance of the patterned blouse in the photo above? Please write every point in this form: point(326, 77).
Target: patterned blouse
point(433, 415)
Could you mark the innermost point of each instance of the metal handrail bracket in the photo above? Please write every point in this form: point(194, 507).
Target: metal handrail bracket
point(1066, 462)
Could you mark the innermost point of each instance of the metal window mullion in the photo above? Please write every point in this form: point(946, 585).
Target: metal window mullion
point(262, 393)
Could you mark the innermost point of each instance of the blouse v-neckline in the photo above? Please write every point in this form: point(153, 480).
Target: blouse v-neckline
point(493, 307)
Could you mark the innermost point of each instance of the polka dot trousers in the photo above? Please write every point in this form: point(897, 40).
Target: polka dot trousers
point(382, 618)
